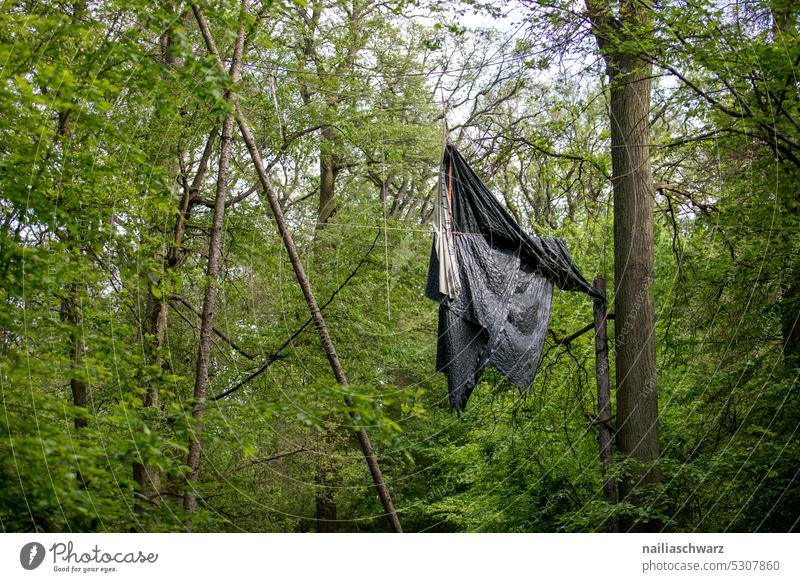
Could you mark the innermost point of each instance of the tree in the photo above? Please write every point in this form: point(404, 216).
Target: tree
point(213, 264)
point(750, 93)
point(622, 31)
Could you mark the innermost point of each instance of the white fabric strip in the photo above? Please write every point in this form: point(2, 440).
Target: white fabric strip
point(449, 282)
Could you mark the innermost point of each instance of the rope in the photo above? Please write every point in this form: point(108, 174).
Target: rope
point(365, 226)
point(373, 75)
point(382, 227)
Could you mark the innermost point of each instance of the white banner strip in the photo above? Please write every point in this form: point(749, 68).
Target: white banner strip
point(401, 558)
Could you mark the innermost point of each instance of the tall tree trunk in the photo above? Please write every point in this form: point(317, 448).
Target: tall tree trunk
point(70, 313)
point(70, 305)
point(637, 397)
point(328, 171)
point(212, 273)
point(147, 477)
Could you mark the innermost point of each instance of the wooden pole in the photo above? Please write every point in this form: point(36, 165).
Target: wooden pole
point(305, 285)
point(604, 436)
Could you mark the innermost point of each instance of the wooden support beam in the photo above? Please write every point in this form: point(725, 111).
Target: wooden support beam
point(603, 421)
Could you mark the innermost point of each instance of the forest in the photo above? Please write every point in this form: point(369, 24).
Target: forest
point(216, 220)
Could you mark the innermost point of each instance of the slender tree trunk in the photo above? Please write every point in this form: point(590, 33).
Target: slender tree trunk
point(156, 307)
point(326, 476)
point(328, 171)
point(70, 313)
point(637, 397)
point(148, 478)
point(212, 273)
point(70, 305)
point(155, 321)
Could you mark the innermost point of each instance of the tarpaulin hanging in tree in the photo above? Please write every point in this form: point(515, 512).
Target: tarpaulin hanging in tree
point(493, 282)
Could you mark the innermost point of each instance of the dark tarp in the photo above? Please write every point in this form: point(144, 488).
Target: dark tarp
point(500, 313)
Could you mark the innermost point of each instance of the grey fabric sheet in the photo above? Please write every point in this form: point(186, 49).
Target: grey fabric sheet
point(500, 313)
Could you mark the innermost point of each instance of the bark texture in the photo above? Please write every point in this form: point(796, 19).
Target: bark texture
point(212, 274)
point(630, 87)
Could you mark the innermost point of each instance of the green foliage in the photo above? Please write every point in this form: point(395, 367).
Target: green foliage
point(105, 111)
